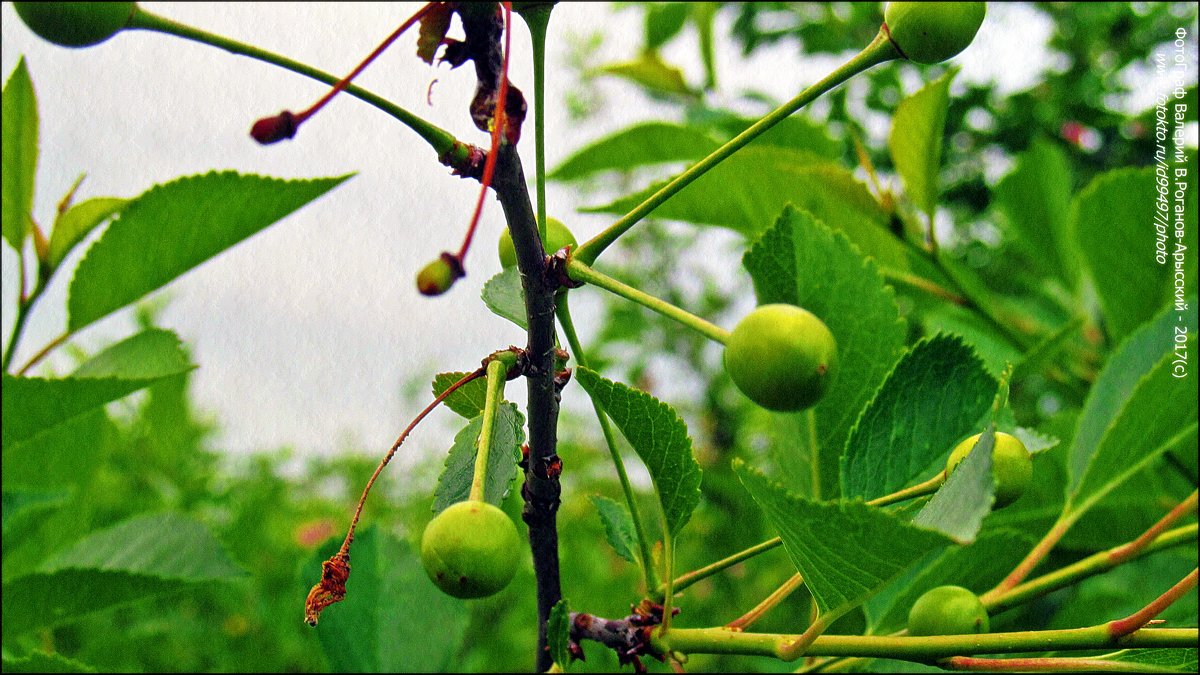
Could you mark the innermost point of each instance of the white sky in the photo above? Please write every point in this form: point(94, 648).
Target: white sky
point(306, 333)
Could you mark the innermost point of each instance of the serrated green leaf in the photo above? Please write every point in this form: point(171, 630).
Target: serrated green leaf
point(454, 485)
point(1182, 660)
point(1145, 352)
point(959, 507)
point(1035, 202)
point(138, 558)
point(41, 662)
point(1132, 359)
point(558, 633)
point(935, 395)
point(660, 438)
point(640, 145)
point(32, 405)
point(977, 567)
point(792, 454)
point(387, 591)
point(18, 154)
point(915, 140)
point(801, 262)
point(468, 401)
point(756, 183)
point(168, 545)
point(618, 526)
point(175, 227)
point(1159, 416)
point(73, 226)
point(504, 295)
point(1131, 285)
point(846, 551)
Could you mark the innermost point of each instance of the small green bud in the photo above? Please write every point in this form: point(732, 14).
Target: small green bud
point(931, 32)
point(75, 24)
point(438, 276)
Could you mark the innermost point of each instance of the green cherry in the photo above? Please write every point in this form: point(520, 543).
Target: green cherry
point(557, 236)
point(1012, 466)
point(75, 24)
point(931, 32)
point(948, 610)
point(782, 357)
point(471, 550)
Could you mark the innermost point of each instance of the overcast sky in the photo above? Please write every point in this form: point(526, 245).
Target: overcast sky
point(306, 333)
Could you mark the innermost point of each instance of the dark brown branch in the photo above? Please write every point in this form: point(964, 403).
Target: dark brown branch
point(541, 489)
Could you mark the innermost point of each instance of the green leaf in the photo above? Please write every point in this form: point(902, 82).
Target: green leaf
point(454, 485)
point(1159, 416)
point(651, 73)
point(1137, 367)
point(1034, 201)
point(846, 551)
point(393, 619)
point(41, 662)
point(558, 633)
point(138, 558)
point(1045, 352)
point(801, 262)
point(797, 132)
point(167, 545)
point(32, 405)
point(659, 437)
point(1131, 285)
point(1182, 660)
point(468, 400)
point(756, 183)
point(73, 226)
point(636, 146)
point(664, 20)
point(959, 507)
point(19, 155)
point(26, 503)
point(618, 526)
point(916, 140)
point(934, 396)
point(172, 228)
point(504, 295)
point(977, 567)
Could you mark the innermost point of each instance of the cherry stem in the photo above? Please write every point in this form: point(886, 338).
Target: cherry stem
point(790, 586)
point(476, 374)
point(1142, 617)
point(1053, 664)
point(499, 122)
point(497, 375)
point(345, 81)
point(1128, 551)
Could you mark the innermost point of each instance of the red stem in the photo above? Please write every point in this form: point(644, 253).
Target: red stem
point(1132, 548)
point(1140, 618)
point(337, 88)
point(345, 549)
point(499, 122)
point(1039, 665)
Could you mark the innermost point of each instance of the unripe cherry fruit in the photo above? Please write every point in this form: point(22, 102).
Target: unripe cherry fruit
point(782, 357)
point(1012, 466)
point(931, 32)
point(948, 610)
point(75, 24)
point(471, 550)
point(557, 236)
